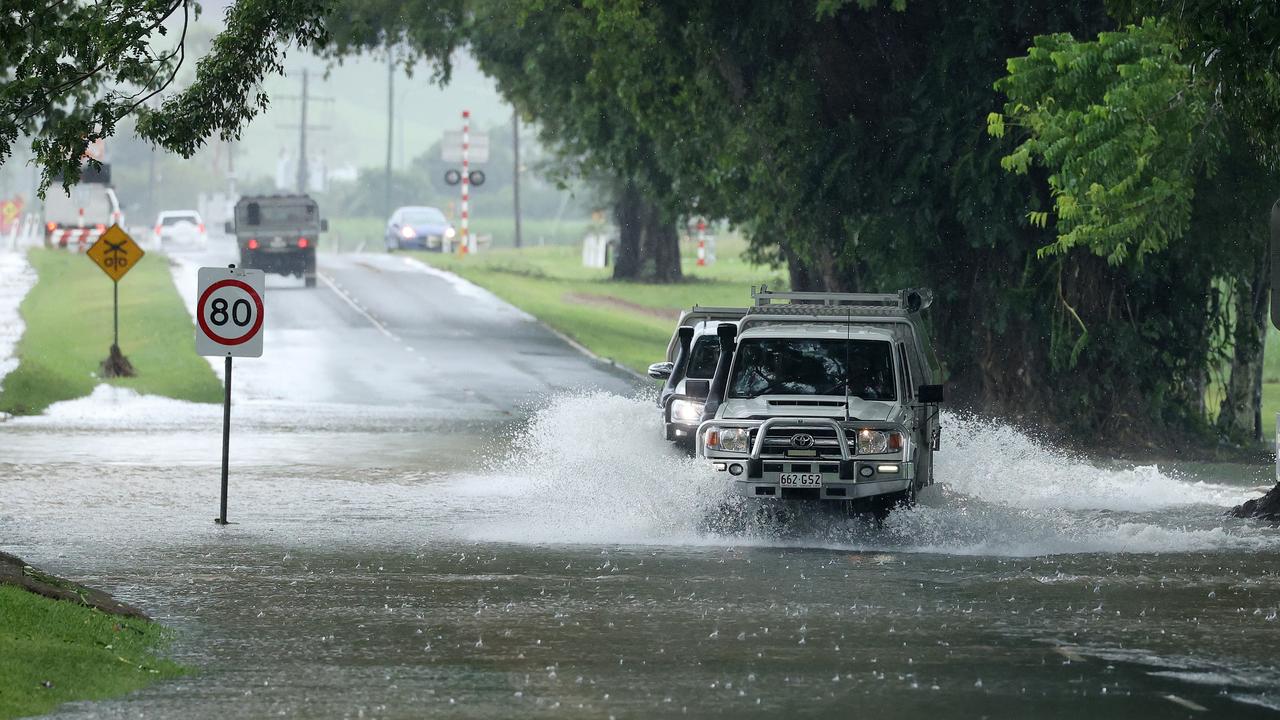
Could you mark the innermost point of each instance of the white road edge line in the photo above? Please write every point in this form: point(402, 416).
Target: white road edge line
point(458, 281)
point(356, 306)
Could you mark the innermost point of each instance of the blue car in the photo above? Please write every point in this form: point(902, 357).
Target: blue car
point(419, 227)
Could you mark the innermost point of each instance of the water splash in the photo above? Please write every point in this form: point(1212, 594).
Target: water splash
point(593, 468)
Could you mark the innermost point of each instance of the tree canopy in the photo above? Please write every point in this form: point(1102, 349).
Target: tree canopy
point(852, 141)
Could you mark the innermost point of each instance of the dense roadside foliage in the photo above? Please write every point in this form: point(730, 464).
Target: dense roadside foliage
point(1147, 171)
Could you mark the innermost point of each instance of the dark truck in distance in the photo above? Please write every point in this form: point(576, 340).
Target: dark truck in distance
point(278, 234)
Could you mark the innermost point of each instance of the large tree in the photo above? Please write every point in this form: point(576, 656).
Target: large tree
point(846, 138)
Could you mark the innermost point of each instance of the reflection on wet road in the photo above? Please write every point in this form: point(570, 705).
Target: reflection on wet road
point(405, 548)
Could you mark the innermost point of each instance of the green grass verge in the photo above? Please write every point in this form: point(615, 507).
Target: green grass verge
point(52, 651)
point(629, 323)
point(68, 333)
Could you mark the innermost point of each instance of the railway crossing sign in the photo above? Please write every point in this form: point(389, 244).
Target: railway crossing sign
point(115, 252)
point(230, 312)
point(455, 142)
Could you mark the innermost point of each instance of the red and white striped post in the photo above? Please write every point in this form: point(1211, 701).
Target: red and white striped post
point(463, 249)
point(702, 242)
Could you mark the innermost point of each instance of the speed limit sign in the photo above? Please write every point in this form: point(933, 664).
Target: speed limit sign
point(229, 312)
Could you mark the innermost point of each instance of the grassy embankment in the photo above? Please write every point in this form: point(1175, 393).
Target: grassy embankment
point(629, 323)
point(53, 651)
point(68, 332)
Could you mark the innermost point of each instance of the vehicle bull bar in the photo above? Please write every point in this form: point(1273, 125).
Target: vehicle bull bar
point(755, 466)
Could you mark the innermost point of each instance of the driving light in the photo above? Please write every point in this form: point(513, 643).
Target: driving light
point(407, 232)
point(872, 442)
point(450, 232)
point(735, 469)
point(688, 412)
point(728, 439)
point(888, 469)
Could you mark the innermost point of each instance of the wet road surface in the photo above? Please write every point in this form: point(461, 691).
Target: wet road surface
point(444, 509)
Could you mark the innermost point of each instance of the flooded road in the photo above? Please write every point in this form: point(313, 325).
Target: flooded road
point(406, 550)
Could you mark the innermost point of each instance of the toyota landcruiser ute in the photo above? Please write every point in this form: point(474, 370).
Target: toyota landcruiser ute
point(691, 361)
point(828, 397)
point(278, 234)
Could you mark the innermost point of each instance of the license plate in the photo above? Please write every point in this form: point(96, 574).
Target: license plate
point(800, 480)
point(277, 242)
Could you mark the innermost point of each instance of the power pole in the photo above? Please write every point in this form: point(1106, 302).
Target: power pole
point(302, 138)
point(515, 176)
point(391, 115)
point(303, 127)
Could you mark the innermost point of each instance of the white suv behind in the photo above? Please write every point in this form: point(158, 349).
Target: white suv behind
point(179, 228)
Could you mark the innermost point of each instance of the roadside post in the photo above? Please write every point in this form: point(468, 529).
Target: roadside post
point(229, 317)
point(116, 253)
point(461, 147)
point(1274, 261)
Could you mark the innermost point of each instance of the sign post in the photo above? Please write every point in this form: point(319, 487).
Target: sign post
point(229, 317)
point(116, 253)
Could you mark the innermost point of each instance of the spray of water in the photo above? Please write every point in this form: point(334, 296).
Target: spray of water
point(593, 468)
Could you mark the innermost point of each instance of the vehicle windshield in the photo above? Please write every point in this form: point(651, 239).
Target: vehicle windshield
point(168, 220)
point(703, 359)
point(423, 216)
point(797, 366)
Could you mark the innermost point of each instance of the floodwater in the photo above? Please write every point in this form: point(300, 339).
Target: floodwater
point(395, 563)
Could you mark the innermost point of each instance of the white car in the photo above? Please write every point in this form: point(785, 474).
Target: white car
point(179, 228)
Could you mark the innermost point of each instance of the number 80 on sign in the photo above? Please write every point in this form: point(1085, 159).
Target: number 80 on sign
point(229, 312)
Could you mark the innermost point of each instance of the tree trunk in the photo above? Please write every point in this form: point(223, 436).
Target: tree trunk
point(627, 212)
point(660, 253)
point(648, 243)
point(1240, 414)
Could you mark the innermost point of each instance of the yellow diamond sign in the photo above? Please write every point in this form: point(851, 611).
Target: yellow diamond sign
point(115, 252)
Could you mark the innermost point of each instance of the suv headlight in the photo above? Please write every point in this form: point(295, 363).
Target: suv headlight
point(874, 442)
point(688, 412)
point(728, 439)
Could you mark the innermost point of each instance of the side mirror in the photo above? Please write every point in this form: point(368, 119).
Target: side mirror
point(229, 227)
point(324, 224)
point(930, 394)
point(661, 370)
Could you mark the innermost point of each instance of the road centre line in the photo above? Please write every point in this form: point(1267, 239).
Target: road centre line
point(357, 307)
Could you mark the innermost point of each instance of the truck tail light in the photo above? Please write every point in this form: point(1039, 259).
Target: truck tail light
point(302, 243)
point(158, 229)
point(200, 227)
point(51, 226)
point(99, 227)
point(253, 243)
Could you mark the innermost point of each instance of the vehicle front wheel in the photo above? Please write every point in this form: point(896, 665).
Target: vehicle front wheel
point(883, 505)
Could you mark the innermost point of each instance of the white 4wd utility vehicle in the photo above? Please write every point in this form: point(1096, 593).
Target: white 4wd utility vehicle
point(691, 361)
point(825, 397)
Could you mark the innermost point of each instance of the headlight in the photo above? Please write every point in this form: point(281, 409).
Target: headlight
point(874, 442)
point(407, 232)
point(450, 232)
point(728, 439)
point(688, 412)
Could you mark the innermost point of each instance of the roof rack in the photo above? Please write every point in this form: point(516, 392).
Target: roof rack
point(910, 300)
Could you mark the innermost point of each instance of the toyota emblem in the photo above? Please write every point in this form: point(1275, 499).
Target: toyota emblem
point(802, 440)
